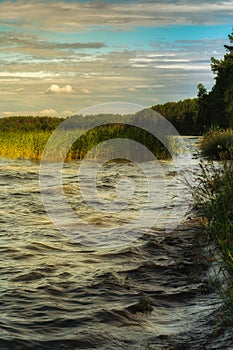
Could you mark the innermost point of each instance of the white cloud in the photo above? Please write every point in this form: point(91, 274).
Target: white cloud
point(40, 74)
point(48, 112)
point(188, 67)
point(67, 113)
point(85, 91)
point(17, 113)
point(56, 89)
point(8, 114)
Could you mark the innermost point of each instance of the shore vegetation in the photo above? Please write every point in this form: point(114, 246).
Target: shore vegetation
point(218, 144)
point(214, 196)
point(26, 137)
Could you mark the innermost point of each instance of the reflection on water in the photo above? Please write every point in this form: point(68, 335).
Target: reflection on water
point(56, 293)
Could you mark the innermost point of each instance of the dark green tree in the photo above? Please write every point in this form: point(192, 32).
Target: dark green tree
point(182, 114)
point(203, 121)
point(217, 107)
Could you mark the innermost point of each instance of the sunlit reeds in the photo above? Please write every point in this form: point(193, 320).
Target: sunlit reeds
point(20, 144)
point(75, 143)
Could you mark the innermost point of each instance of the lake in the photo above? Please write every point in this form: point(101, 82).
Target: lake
point(83, 288)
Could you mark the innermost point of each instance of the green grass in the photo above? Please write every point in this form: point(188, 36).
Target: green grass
point(215, 195)
point(218, 144)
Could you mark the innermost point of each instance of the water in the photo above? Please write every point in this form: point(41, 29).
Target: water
point(56, 293)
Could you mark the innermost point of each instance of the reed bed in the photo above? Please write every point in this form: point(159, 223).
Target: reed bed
point(21, 144)
point(215, 195)
point(74, 143)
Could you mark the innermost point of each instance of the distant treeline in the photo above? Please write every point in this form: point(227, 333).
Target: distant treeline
point(182, 114)
point(29, 123)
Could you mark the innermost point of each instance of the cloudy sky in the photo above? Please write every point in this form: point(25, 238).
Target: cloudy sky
point(57, 57)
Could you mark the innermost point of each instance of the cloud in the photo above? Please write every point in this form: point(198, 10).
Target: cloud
point(21, 89)
point(17, 113)
point(72, 16)
point(49, 112)
point(18, 47)
point(75, 46)
point(67, 113)
point(179, 55)
point(85, 91)
point(56, 89)
point(131, 89)
point(11, 92)
point(185, 63)
point(21, 40)
point(39, 74)
point(8, 114)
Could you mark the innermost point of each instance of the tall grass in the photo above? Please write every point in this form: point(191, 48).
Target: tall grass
point(218, 144)
point(26, 137)
point(21, 144)
point(69, 144)
point(215, 195)
point(31, 144)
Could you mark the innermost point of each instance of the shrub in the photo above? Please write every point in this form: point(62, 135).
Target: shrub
point(214, 194)
point(218, 144)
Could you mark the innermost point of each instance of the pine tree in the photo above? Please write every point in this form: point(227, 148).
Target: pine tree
point(217, 106)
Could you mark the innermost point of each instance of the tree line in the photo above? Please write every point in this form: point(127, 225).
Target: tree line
point(29, 123)
point(182, 114)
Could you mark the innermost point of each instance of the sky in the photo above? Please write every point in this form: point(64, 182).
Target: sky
point(58, 57)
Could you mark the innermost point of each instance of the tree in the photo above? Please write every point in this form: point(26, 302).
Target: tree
point(182, 114)
point(203, 100)
point(217, 106)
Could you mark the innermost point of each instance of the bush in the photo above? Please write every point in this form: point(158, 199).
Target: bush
point(214, 195)
point(218, 144)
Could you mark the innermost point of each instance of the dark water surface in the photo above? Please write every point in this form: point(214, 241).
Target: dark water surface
point(55, 293)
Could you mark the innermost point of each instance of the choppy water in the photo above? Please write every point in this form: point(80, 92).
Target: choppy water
point(55, 293)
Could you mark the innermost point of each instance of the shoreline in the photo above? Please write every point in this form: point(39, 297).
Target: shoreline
point(193, 273)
